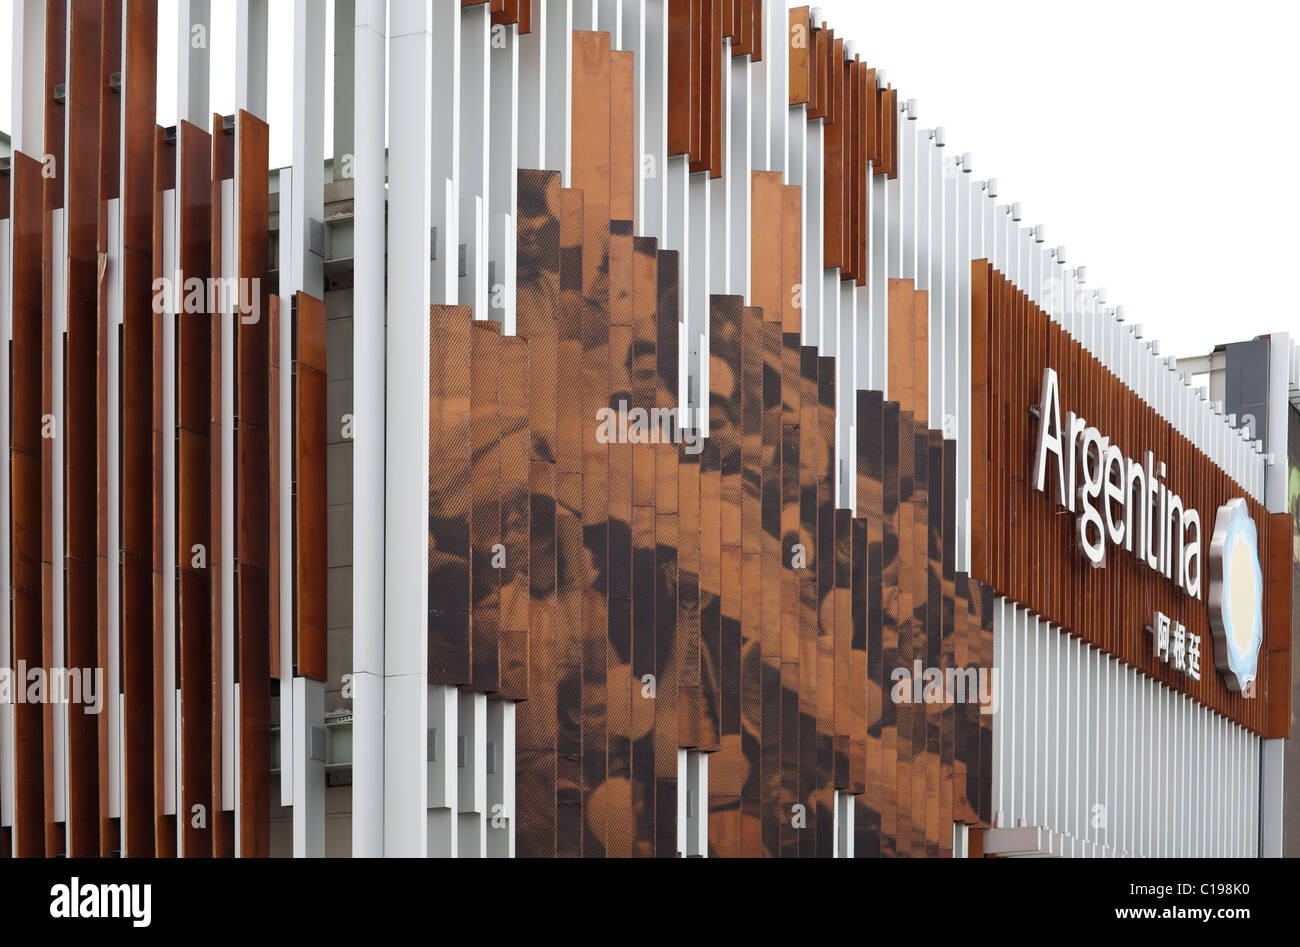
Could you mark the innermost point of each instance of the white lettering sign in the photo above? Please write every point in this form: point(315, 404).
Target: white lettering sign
point(1117, 500)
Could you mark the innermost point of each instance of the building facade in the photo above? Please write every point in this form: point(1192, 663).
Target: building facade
point(638, 436)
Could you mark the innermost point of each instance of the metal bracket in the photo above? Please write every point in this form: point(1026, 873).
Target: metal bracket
point(316, 236)
point(317, 751)
point(464, 257)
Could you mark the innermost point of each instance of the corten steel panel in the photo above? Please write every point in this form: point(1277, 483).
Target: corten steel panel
point(450, 589)
point(905, 591)
point(274, 425)
point(591, 117)
point(843, 646)
point(892, 605)
point(766, 202)
point(723, 540)
point(612, 795)
point(666, 356)
point(889, 120)
point(1278, 634)
point(698, 69)
point(863, 768)
point(194, 489)
point(309, 487)
point(223, 168)
point(538, 257)
point(717, 108)
point(1031, 551)
point(825, 602)
point(569, 327)
point(791, 263)
point(742, 27)
point(485, 499)
point(938, 821)
point(515, 518)
point(535, 773)
point(790, 605)
point(164, 825)
point(140, 137)
point(666, 663)
point(641, 709)
point(623, 165)
point(902, 376)
point(984, 595)
point(866, 670)
point(505, 12)
point(864, 121)
point(814, 56)
point(252, 463)
point(641, 364)
point(772, 572)
point(537, 294)
point(806, 620)
point(622, 137)
point(947, 642)
point(921, 355)
point(56, 58)
point(751, 537)
point(594, 626)
point(689, 725)
point(791, 580)
point(852, 143)
point(667, 658)
point(611, 800)
point(710, 609)
point(25, 496)
point(80, 420)
point(642, 370)
point(572, 563)
point(680, 56)
point(966, 726)
point(55, 73)
point(833, 177)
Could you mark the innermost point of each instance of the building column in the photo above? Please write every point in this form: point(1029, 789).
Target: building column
point(368, 371)
point(406, 583)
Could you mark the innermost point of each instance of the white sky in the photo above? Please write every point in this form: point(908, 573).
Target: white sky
point(1149, 137)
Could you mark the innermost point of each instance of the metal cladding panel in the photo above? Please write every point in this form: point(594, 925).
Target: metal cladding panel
point(893, 603)
point(1023, 550)
point(164, 825)
point(223, 169)
point(485, 506)
point(723, 649)
point(80, 414)
point(309, 490)
point(515, 518)
point(26, 526)
point(252, 468)
point(450, 470)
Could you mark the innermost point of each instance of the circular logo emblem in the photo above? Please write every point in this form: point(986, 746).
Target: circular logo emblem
point(1236, 595)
